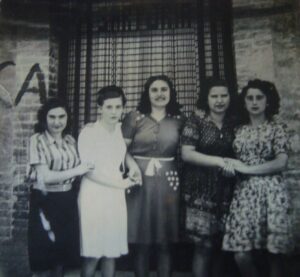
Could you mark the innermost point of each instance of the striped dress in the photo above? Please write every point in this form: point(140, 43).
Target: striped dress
point(53, 236)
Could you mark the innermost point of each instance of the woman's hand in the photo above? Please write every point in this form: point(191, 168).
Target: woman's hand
point(83, 168)
point(128, 183)
point(228, 169)
point(226, 166)
point(238, 165)
point(135, 175)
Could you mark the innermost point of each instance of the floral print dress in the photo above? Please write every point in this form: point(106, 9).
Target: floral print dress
point(259, 212)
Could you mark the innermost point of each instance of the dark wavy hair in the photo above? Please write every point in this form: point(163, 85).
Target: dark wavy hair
point(172, 108)
point(51, 103)
point(202, 102)
point(109, 92)
point(271, 93)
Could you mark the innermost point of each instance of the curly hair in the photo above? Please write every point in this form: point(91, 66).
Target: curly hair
point(109, 92)
point(272, 96)
point(172, 108)
point(51, 103)
point(202, 102)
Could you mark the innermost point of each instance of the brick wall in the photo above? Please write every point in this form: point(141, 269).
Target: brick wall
point(267, 47)
point(28, 47)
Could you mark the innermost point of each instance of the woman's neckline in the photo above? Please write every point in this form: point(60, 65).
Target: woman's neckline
point(254, 126)
point(56, 139)
point(158, 119)
point(217, 120)
point(108, 130)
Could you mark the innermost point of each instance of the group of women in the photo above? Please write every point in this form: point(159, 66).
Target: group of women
point(234, 196)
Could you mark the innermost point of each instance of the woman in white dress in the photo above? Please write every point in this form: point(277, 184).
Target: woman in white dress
point(102, 205)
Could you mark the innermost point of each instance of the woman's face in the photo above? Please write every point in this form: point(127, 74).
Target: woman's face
point(159, 94)
point(111, 110)
point(255, 102)
point(57, 119)
point(218, 100)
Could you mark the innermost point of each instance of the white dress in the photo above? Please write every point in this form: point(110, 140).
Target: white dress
point(102, 209)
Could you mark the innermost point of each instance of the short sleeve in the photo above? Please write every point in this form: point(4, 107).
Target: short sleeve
point(182, 120)
point(86, 144)
point(70, 140)
point(190, 133)
point(129, 125)
point(280, 139)
point(36, 151)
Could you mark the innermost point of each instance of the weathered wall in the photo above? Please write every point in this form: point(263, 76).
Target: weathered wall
point(267, 46)
point(27, 46)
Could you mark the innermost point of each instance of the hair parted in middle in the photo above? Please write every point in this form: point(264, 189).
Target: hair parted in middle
point(109, 92)
point(172, 108)
point(50, 104)
point(209, 83)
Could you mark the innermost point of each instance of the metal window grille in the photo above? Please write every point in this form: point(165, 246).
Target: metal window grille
point(125, 42)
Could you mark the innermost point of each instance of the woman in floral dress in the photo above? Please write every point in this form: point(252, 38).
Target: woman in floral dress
point(206, 142)
point(259, 214)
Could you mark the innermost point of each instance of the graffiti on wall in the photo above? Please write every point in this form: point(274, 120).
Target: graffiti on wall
point(34, 72)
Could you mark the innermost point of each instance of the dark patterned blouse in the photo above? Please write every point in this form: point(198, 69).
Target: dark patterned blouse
point(206, 191)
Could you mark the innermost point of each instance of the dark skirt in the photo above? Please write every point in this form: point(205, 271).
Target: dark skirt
point(61, 212)
point(153, 208)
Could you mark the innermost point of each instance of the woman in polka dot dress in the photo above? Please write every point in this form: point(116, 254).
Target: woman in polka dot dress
point(206, 142)
point(152, 133)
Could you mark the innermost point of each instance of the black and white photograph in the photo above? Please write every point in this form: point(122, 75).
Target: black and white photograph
point(144, 138)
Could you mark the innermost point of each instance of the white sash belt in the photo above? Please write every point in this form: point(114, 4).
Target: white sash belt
point(154, 164)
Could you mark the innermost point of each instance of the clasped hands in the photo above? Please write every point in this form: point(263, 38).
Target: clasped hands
point(230, 166)
point(135, 176)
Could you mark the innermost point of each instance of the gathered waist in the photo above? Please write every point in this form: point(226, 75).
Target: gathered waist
point(163, 159)
point(154, 164)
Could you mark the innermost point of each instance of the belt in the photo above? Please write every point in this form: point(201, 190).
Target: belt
point(54, 187)
point(154, 164)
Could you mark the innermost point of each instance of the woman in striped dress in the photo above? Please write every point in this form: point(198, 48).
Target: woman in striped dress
point(54, 163)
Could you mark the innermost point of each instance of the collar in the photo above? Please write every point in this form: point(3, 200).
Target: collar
point(49, 137)
point(51, 140)
point(200, 114)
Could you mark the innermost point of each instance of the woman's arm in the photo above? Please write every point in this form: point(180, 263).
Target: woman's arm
point(134, 171)
point(190, 155)
point(128, 141)
point(270, 167)
point(44, 174)
point(48, 176)
point(110, 182)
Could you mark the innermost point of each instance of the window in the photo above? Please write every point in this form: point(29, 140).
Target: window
point(124, 43)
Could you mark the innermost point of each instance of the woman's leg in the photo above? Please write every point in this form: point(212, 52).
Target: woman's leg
point(42, 274)
point(202, 261)
point(141, 260)
point(276, 262)
point(218, 263)
point(246, 264)
point(57, 271)
point(163, 261)
point(108, 267)
point(89, 267)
